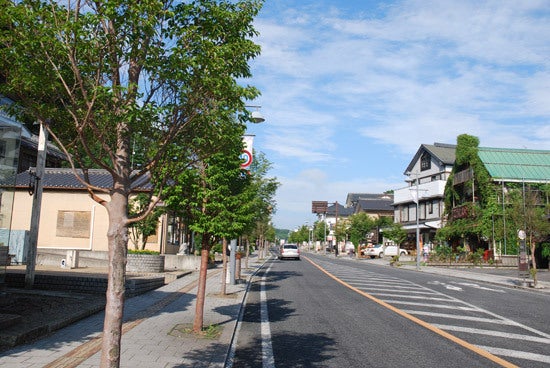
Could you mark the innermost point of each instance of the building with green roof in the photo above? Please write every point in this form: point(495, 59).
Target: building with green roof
point(516, 165)
point(494, 192)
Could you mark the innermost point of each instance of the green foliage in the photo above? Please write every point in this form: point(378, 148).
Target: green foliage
point(476, 196)
point(545, 250)
point(476, 257)
point(300, 235)
point(142, 251)
point(443, 254)
point(395, 233)
point(358, 226)
point(142, 229)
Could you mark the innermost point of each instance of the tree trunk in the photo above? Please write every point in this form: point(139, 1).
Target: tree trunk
point(117, 236)
point(201, 289)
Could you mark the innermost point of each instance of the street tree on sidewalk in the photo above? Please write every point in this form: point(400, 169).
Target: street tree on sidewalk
point(216, 195)
point(107, 72)
point(360, 225)
point(264, 205)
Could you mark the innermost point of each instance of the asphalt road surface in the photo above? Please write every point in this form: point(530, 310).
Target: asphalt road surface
point(326, 312)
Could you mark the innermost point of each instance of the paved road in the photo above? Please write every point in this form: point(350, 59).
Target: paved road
point(359, 314)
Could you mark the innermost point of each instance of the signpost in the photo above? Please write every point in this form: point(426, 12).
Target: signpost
point(523, 264)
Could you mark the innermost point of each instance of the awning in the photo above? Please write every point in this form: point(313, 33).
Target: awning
point(411, 227)
point(434, 224)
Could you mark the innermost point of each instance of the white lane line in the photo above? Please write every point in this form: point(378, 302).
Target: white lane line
point(406, 296)
point(506, 335)
point(391, 285)
point(464, 318)
point(516, 354)
point(380, 289)
point(438, 306)
point(268, 359)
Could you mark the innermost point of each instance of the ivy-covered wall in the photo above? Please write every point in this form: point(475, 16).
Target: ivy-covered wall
point(477, 199)
point(481, 212)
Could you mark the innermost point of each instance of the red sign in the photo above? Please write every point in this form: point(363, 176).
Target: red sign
point(247, 158)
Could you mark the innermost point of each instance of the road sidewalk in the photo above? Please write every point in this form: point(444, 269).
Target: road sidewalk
point(155, 331)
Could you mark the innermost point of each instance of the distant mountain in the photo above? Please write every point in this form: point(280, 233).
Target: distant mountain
point(281, 233)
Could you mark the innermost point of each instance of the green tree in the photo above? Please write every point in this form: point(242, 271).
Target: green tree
point(141, 230)
point(475, 196)
point(359, 225)
point(218, 202)
point(320, 231)
point(263, 204)
point(529, 213)
point(105, 72)
point(395, 233)
point(300, 235)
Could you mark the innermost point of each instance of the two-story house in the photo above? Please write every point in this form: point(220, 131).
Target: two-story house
point(420, 205)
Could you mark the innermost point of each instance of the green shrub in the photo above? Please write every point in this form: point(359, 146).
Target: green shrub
point(143, 251)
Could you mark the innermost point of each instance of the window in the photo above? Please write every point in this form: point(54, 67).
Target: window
point(404, 214)
point(425, 161)
point(430, 207)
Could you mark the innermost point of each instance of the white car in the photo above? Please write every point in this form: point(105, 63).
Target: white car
point(289, 251)
point(380, 251)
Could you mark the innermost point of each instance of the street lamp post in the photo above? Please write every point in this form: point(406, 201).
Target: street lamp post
point(255, 117)
point(417, 201)
point(418, 255)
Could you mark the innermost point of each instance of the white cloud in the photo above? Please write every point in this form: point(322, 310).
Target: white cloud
point(406, 73)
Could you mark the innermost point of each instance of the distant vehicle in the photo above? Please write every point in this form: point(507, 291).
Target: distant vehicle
point(379, 250)
point(289, 251)
point(349, 247)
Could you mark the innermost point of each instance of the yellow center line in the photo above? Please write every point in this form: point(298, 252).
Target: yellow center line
point(467, 345)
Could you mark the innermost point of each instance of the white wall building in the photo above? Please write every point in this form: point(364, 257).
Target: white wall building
point(427, 176)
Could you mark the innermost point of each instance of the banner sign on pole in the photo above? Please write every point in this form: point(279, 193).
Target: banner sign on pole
point(246, 154)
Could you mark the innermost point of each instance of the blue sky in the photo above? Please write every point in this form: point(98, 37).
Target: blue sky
point(351, 89)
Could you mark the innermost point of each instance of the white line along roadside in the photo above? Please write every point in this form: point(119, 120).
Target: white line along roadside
point(267, 348)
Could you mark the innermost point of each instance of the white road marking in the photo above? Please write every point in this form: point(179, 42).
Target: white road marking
point(268, 359)
point(464, 318)
point(447, 286)
point(516, 354)
point(506, 335)
point(476, 286)
point(439, 306)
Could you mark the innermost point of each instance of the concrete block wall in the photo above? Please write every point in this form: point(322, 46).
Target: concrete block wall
point(146, 263)
point(84, 284)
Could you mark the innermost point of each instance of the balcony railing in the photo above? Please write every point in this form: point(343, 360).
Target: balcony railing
point(432, 189)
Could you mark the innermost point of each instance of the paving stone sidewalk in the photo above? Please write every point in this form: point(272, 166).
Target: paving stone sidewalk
point(154, 330)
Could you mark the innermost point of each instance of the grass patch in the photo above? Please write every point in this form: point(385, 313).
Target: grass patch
point(211, 332)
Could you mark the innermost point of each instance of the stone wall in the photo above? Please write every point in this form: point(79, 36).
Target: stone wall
point(145, 263)
point(84, 284)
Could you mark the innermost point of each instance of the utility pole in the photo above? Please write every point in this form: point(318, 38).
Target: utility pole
point(36, 205)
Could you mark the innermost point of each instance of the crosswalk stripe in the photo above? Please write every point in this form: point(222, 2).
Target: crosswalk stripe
point(422, 297)
point(453, 316)
point(439, 306)
point(507, 335)
point(516, 354)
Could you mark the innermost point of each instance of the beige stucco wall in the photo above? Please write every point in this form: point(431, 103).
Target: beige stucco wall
point(52, 203)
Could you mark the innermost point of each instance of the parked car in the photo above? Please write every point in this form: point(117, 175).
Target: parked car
point(379, 250)
point(289, 251)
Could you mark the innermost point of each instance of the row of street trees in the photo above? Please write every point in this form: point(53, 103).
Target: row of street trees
point(164, 75)
point(355, 228)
